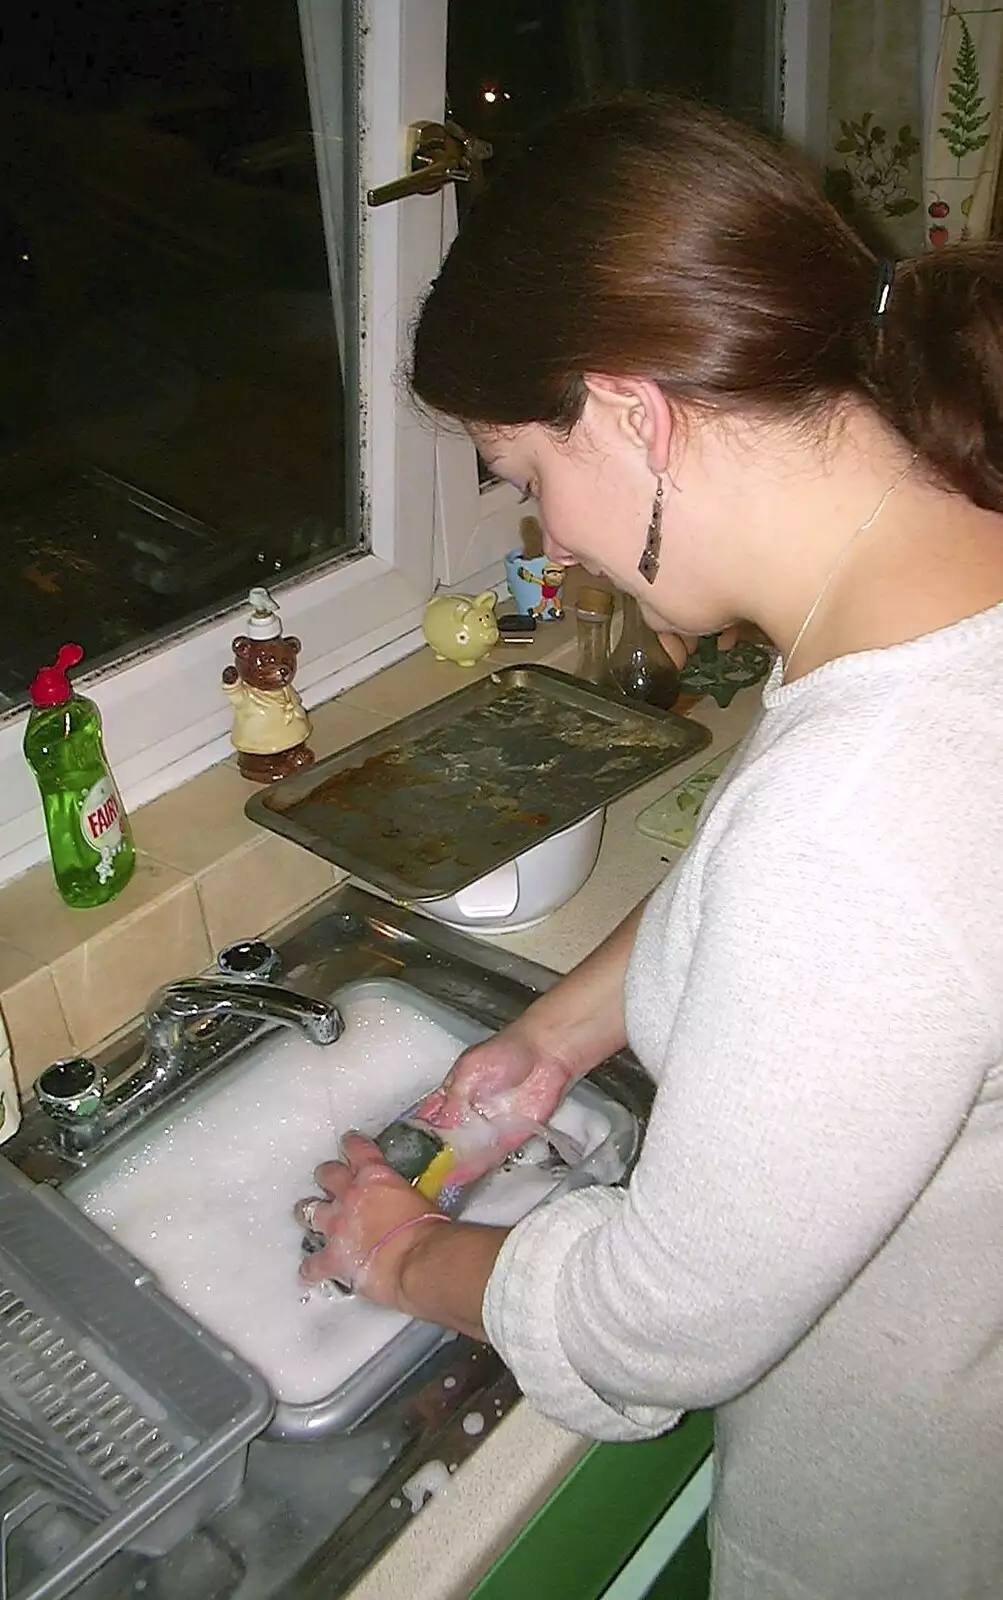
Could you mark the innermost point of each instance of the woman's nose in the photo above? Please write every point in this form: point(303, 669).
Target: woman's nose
point(555, 552)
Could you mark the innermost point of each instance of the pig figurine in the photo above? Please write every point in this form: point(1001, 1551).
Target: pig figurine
point(459, 628)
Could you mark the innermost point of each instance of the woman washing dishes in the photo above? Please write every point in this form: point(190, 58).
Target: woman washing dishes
point(656, 324)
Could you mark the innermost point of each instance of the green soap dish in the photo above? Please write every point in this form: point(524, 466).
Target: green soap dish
point(721, 673)
point(673, 818)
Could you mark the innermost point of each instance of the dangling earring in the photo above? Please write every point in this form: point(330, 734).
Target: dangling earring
point(652, 552)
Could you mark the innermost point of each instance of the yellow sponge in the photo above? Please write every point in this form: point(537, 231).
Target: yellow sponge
point(433, 1180)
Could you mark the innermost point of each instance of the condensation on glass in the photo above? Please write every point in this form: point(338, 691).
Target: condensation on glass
point(172, 399)
point(512, 63)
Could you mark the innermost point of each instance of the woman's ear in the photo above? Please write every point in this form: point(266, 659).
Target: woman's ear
point(639, 411)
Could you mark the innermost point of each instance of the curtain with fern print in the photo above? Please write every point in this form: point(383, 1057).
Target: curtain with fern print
point(962, 157)
point(874, 162)
point(912, 175)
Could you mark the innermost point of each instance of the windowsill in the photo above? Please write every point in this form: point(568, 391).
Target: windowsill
point(204, 876)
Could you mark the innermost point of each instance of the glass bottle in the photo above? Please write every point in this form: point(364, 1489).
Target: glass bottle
point(593, 615)
point(639, 665)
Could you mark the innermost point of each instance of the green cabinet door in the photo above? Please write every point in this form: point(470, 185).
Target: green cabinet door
point(595, 1520)
point(687, 1576)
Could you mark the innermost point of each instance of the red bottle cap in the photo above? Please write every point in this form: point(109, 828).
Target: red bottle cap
point(50, 686)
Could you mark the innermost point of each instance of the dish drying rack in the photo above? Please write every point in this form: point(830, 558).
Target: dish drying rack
point(115, 1406)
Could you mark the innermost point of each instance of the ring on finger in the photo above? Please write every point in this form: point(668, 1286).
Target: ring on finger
point(307, 1210)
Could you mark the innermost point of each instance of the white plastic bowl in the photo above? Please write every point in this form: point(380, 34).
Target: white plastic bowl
point(525, 891)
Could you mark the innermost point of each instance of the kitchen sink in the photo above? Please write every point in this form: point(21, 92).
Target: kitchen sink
point(334, 1480)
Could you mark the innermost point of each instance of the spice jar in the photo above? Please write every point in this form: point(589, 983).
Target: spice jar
point(593, 615)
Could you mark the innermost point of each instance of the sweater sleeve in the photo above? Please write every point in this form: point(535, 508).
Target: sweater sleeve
point(828, 1048)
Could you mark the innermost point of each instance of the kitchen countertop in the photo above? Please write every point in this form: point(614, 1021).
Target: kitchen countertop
point(453, 1541)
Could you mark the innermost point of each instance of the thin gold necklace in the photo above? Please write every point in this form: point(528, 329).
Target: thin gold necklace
point(837, 564)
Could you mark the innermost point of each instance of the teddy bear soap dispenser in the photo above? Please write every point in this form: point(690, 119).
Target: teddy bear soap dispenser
point(270, 726)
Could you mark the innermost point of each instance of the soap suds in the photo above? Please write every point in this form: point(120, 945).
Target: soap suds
point(432, 1479)
point(207, 1203)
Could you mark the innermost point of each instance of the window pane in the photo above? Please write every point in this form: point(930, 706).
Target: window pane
point(514, 62)
point(171, 392)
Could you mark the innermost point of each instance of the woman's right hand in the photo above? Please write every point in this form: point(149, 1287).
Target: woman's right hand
point(519, 1077)
point(509, 1080)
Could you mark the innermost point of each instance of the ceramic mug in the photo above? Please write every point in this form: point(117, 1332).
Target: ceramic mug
point(534, 582)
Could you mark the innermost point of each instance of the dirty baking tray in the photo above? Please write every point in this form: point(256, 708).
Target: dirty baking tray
point(116, 1409)
point(434, 802)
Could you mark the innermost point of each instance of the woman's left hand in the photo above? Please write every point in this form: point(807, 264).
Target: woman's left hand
point(364, 1201)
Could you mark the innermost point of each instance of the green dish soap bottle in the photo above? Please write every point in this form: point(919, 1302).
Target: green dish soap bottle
point(90, 841)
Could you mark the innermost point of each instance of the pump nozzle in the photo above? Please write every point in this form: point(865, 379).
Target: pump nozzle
point(50, 686)
point(264, 621)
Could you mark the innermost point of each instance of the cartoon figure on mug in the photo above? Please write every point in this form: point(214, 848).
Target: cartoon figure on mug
point(549, 581)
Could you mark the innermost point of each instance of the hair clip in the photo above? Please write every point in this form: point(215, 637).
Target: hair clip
point(883, 287)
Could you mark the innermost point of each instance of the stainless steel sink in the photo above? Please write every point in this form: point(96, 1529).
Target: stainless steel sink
point(314, 1513)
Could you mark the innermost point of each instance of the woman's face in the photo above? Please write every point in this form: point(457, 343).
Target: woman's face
point(582, 498)
point(595, 499)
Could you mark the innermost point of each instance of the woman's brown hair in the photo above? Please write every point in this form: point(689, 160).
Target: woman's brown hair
point(654, 237)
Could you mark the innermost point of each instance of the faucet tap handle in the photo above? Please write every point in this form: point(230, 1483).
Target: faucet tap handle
point(71, 1093)
point(249, 959)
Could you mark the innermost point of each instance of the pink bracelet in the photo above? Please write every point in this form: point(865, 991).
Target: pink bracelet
point(370, 1255)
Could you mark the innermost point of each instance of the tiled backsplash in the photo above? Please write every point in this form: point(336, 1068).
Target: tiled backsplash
point(204, 876)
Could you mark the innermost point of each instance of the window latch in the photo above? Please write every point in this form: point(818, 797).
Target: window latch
point(441, 153)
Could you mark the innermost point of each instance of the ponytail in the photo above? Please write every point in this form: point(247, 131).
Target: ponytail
point(934, 368)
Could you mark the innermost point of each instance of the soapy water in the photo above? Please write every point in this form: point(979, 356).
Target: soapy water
point(207, 1202)
point(432, 1480)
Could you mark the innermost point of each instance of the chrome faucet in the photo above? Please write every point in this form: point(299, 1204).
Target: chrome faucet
point(190, 1000)
point(183, 1034)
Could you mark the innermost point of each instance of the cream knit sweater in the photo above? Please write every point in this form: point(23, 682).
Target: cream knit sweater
point(812, 1240)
